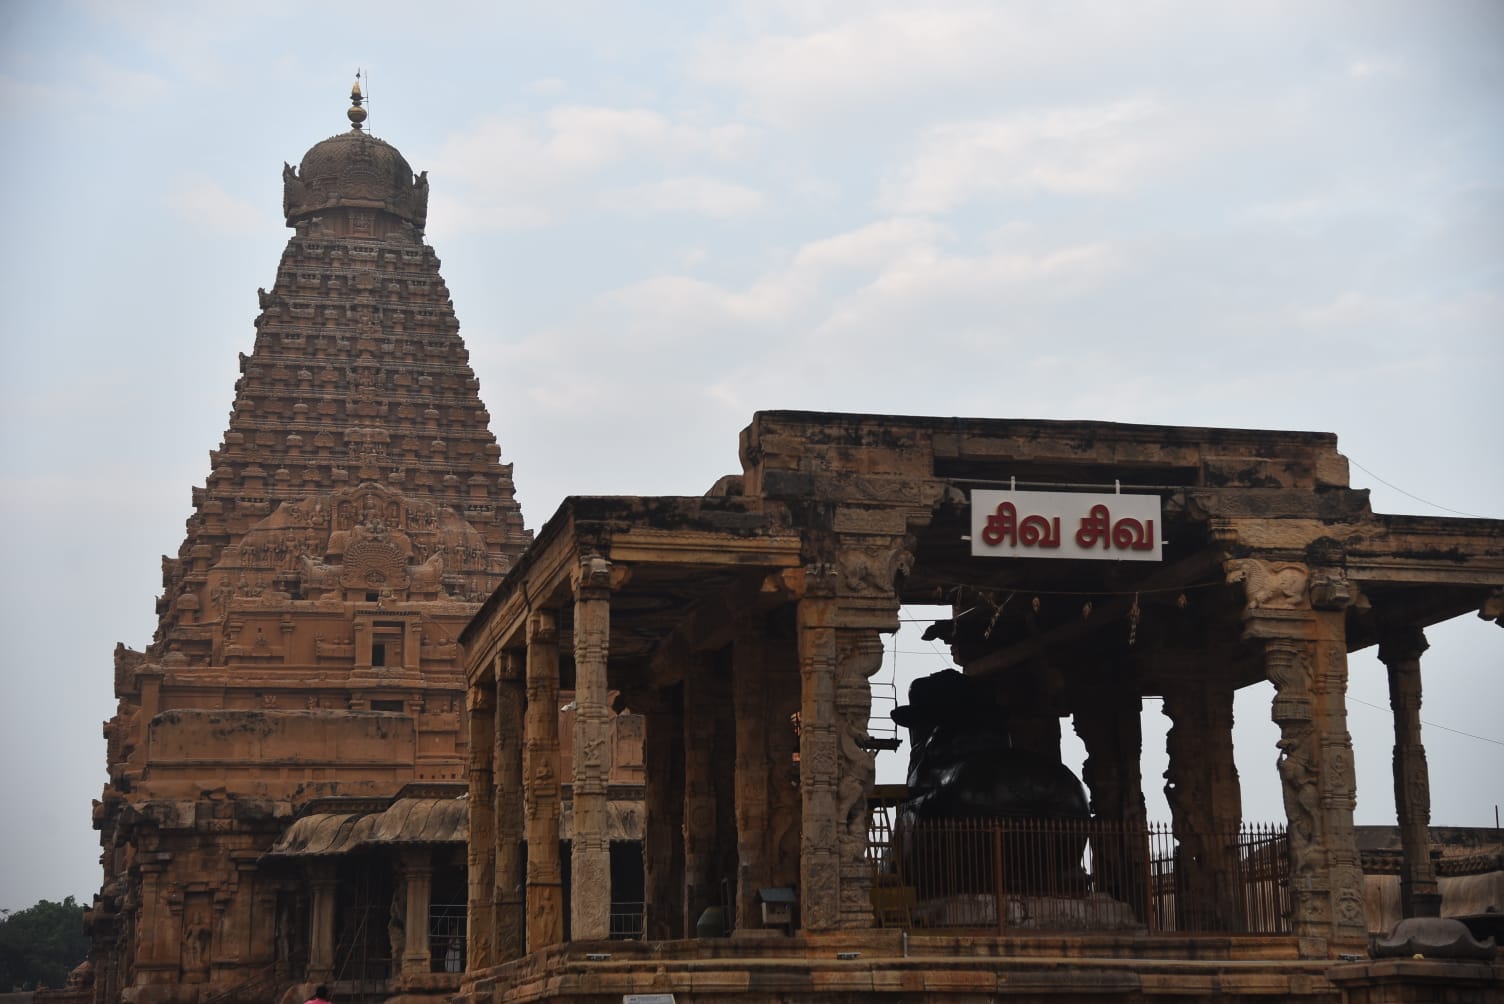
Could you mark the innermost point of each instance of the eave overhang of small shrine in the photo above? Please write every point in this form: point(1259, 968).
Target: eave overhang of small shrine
point(671, 556)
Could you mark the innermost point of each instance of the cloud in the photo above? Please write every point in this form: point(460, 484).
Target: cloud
point(870, 246)
point(204, 203)
point(89, 81)
point(1374, 68)
point(121, 85)
point(1346, 310)
point(699, 196)
point(526, 170)
point(18, 97)
point(546, 86)
point(962, 300)
point(826, 305)
point(809, 63)
point(1087, 150)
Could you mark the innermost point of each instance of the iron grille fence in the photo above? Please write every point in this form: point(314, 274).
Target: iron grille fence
point(446, 937)
point(1077, 875)
point(627, 921)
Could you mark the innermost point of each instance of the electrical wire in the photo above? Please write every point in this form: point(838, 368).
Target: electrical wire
point(1433, 505)
point(1429, 725)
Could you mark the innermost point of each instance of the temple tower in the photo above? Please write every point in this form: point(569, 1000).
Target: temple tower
point(354, 516)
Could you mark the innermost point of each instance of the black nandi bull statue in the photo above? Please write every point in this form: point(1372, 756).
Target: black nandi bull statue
point(962, 766)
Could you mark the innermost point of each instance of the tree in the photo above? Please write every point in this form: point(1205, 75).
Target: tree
point(40, 945)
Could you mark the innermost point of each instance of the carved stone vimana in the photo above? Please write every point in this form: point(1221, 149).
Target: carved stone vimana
point(354, 517)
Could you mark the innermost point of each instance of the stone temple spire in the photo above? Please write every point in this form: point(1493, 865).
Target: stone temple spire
point(355, 514)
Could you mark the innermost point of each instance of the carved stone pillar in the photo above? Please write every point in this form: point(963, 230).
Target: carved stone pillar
point(417, 877)
point(321, 922)
point(785, 801)
point(264, 926)
point(590, 864)
point(1205, 803)
point(1305, 656)
point(750, 699)
point(1400, 653)
point(481, 846)
point(1110, 727)
point(1226, 816)
point(859, 655)
point(700, 876)
point(160, 925)
point(663, 811)
point(819, 770)
point(540, 783)
point(235, 934)
point(511, 923)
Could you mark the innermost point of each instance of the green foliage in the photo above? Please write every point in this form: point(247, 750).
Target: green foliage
point(40, 945)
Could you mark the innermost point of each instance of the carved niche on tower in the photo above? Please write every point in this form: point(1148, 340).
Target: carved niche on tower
point(349, 544)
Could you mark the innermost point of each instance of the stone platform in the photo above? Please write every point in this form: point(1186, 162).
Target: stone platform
point(884, 966)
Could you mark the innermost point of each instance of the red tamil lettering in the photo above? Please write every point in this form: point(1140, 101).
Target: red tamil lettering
point(1129, 534)
point(1002, 525)
point(1041, 532)
point(1095, 526)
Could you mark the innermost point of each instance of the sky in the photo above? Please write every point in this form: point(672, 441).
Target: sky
point(656, 219)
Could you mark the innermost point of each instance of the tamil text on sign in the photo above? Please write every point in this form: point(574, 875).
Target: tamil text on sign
point(1065, 525)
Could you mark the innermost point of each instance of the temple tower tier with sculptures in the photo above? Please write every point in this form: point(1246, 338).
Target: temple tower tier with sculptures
point(305, 660)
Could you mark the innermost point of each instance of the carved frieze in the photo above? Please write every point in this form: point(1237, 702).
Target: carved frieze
point(1270, 585)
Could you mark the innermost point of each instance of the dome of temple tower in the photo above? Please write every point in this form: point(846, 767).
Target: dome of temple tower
point(354, 170)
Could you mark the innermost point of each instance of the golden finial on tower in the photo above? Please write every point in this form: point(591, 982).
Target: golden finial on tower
point(356, 113)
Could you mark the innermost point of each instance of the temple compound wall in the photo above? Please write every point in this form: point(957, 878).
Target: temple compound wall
point(305, 670)
point(1087, 566)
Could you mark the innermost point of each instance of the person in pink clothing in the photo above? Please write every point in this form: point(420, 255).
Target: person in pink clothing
point(320, 995)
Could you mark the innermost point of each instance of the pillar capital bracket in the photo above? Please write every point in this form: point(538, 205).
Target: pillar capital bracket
point(1404, 644)
point(1331, 589)
point(1492, 608)
point(595, 573)
point(542, 626)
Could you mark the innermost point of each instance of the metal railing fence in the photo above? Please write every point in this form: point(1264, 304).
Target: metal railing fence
point(1078, 875)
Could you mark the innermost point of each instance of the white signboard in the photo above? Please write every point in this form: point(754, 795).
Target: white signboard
point(1065, 525)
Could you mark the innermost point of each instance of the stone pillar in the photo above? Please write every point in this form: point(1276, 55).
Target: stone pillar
point(1305, 656)
point(749, 684)
point(480, 907)
point(159, 926)
point(663, 812)
point(417, 877)
point(1205, 803)
point(321, 922)
point(590, 863)
point(1110, 726)
point(235, 941)
point(819, 769)
point(785, 802)
point(1419, 895)
point(510, 912)
point(700, 877)
point(540, 783)
point(1226, 793)
point(264, 926)
point(859, 655)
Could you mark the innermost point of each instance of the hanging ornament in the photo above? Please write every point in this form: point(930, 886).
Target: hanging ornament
point(1036, 604)
point(997, 610)
point(1133, 614)
point(1181, 601)
point(1086, 610)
